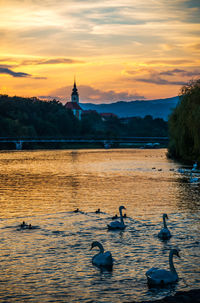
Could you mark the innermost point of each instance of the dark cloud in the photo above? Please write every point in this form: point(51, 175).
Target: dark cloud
point(51, 61)
point(181, 72)
point(166, 77)
point(160, 81)
point(14, 74)
point(39, 78)
point(8, 71)
point(90, 94)
point(171, 62)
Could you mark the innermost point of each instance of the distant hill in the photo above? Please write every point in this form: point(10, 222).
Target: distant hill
point(159, 108)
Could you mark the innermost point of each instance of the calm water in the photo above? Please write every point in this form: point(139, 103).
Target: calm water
point(52, 263)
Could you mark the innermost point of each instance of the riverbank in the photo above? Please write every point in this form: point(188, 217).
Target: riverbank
point(191, 296)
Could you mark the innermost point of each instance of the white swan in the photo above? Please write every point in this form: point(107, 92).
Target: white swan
point(118, 224)
point(102, 259)
point(159, 277)
point(164, 234)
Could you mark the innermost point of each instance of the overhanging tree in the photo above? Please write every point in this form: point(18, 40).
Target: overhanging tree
point(184, 124)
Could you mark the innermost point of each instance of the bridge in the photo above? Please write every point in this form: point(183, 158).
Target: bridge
point(106, 142)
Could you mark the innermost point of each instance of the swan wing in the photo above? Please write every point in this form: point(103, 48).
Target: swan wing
point(116, 225)
point(104, 259)
point(108, 259)
point(164, 234)
point(157, 276)
point(151, 271)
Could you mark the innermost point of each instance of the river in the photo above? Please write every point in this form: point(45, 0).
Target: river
point(52, 261)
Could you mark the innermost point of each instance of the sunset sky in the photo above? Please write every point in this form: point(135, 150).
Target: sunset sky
point(117, 49)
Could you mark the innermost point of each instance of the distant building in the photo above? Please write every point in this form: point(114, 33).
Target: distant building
point(107, 116)
point(74, 104)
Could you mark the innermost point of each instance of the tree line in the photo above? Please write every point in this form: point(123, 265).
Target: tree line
point(31, 117)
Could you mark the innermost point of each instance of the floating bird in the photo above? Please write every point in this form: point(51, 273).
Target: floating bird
point(181, 170)
point(24, 225)
point(118, 224)
point(194, 166)
point(102, 259)
point(30, 226)
point(160, 277)
point(164, 234)
point(76, 210)
point(193, 179)
point(115, 217)
point(97, 211)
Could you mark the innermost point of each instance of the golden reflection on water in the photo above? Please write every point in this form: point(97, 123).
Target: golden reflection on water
point(52, 262)
point(56, 181)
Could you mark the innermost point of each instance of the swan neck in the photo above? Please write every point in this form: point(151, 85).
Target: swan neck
point(171, 263)
point(121, 216)
point(100, 247)
point(164, 222)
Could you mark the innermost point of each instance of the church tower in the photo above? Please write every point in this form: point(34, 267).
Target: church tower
point(74, 104)
point(74, 95)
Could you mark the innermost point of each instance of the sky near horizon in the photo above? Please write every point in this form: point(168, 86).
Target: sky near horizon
point(117, 49)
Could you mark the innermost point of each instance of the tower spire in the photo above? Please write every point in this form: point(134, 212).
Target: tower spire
point(74, 95)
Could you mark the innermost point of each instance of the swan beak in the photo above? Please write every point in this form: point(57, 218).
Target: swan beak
point(178, 254)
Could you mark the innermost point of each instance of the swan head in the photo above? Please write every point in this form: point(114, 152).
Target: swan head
point(94, 244)
point(122, 207)
point(165, 216)
point(175, 252)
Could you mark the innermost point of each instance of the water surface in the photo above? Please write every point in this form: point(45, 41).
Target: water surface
point(52, 263)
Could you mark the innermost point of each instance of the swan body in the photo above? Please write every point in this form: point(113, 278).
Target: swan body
point(102, 259)
point(164, 234)
point(160, 277)
point(118, 224)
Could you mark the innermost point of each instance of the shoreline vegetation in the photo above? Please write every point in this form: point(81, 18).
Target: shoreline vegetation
point(184, 125)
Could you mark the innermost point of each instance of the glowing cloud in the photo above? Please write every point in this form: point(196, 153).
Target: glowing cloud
point(98, 41)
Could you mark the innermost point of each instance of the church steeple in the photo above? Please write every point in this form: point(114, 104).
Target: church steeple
point(74, 104)
point(74, 95)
